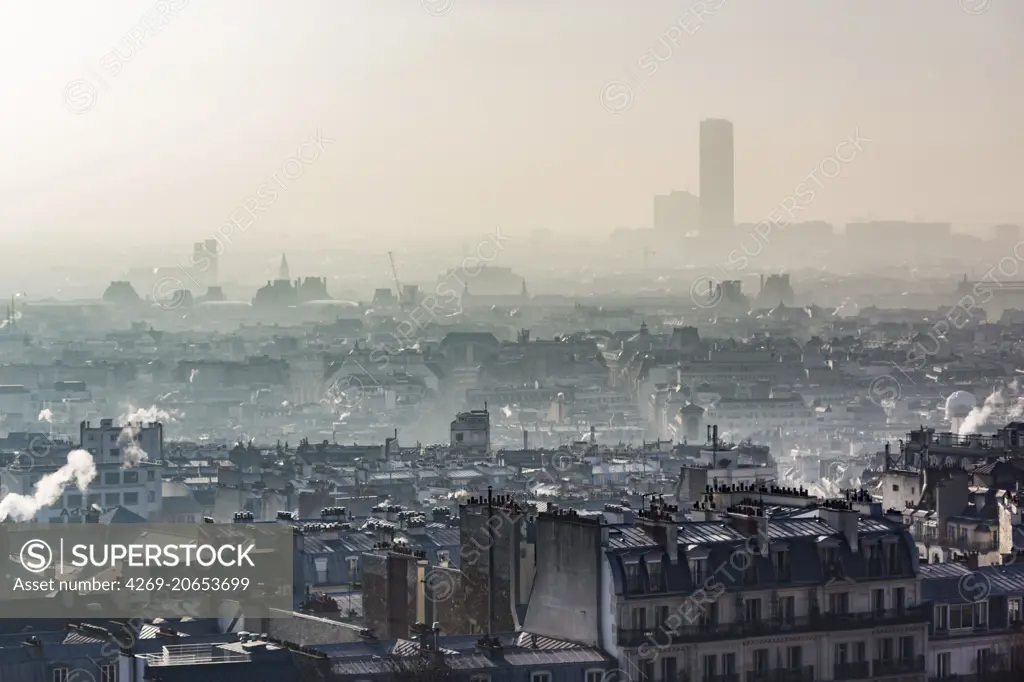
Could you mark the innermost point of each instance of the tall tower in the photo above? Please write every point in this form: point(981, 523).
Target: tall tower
point(204, 261)
point(717, 197)
point(283, 271)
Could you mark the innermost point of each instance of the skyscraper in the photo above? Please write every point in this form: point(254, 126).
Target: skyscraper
point(717, 197)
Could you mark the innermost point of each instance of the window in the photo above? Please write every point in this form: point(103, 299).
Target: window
point(899, 598)
point(860, 652)
point(839, 603)
point(697, 571)
point(760, 660)
point(112, 478)
point(487, 678)
point(633, 584)
point(710, 665)
point(96, 499)
point(591, 676)
point(151, 496)
point(942, 664)
point(669, 668)
point(131, 477)
point(61, 674)
point(787, 609)
point(1014, 611)
point(75, 501)
point(842, 654)
point(878, 601)
point(661, 616)
point(150, 475)
point(894, 560)
point(131, 499)
point(112, 499)
point(782, 572)
point(640, 618)
point(115, 452)
point(709, 614)
point(752, 610)
point(56, 519)
point(108, 673)
point(654, 576)
point(906, 648)
point(941, 617)
point(540, 677)
point(884, 649)
point(963, 616)
point(321, 570)
point(728, 664)
point(794, 657)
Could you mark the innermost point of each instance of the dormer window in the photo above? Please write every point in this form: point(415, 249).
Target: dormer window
point(634, 584)
point(698, 571)
point(1014, 613)
point(654, 575)
point(893, 562)
point(780, 558)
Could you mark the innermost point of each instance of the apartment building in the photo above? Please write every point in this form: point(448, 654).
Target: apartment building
point(769, 586)
point(977, 622)
point(742, 418)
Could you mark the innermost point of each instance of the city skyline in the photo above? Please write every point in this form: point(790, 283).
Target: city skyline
point(507, 128)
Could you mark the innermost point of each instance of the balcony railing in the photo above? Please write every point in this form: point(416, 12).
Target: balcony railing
point(724, 677)
point(902, 666)
point(661, 634)
point(801, 674)
point(990, 676)
point(860, 670)
point(963, 544)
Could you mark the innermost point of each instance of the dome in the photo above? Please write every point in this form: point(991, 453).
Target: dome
point(959, 404)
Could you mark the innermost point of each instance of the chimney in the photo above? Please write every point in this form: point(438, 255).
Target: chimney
point(664, 531)
point(840, 515)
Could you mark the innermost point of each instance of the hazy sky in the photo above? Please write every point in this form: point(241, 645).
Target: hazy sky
point(491, 113)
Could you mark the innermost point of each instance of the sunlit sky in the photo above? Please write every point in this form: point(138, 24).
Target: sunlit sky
point(491, 113)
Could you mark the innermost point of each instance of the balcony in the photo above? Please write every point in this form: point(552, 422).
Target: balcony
point(991, 676)
point(659, 635)
point(860, 670)
point(904, 666)
point(966, 545)
point(724, 677)
point(801, 674)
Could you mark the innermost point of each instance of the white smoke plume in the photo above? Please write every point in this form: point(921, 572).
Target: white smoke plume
point(979, 415)
point(192, 375)
point(80, 470)
point(146, 414)
point(45, 416)
point(132, 453)
point(1017, 411)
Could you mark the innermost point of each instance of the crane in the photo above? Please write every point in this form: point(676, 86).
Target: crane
point(398, 285)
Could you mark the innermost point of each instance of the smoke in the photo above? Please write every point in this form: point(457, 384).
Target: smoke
point(132, 453)
point(192, 375)
point(45, 416)
point(1017, 411)
point(80, 470)
point(146, 414)
point(979, 415)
